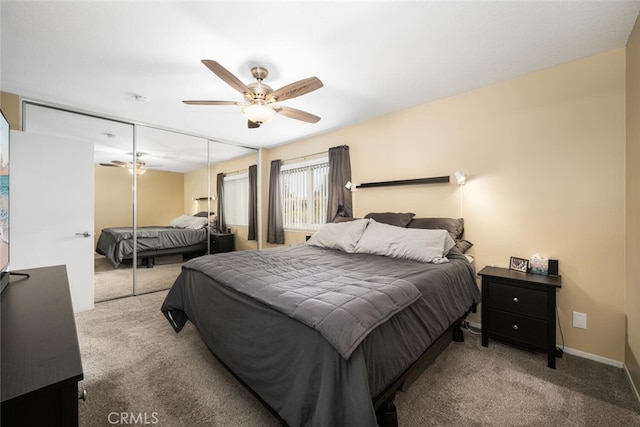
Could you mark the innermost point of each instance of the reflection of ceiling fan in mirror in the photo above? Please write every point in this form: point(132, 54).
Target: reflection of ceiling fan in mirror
point(261, 100)
point(140, 166)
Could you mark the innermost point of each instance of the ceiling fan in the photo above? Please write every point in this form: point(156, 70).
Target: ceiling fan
point(261, 100)
point(140, 166)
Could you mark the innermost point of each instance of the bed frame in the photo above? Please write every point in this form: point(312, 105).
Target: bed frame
point(386, 412)
point(148, 257)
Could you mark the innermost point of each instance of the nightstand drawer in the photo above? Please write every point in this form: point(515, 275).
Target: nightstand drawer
point(517, 299)
point(523, 329)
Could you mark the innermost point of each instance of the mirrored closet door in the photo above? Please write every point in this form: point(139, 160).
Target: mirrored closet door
point(112, 143)
point(148, 180)
point(169, 232)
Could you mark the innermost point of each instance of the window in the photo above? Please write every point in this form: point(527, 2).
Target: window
point(304, 194)
point(236, 199)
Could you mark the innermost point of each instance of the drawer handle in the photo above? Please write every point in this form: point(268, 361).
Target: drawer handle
point(515, 327)
point(83, 395)
point(515, 299)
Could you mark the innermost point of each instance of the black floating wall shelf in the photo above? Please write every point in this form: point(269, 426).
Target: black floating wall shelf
point(434, 180)
point(202, 198)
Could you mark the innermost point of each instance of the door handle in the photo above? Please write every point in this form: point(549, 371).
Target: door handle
point(84, 234)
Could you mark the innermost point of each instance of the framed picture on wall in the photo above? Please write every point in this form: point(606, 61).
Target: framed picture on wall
point(519, 264)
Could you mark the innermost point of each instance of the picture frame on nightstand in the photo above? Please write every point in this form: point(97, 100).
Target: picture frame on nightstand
point(519, 264)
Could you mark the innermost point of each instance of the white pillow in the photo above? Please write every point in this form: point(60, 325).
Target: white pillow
point(342, 236)
point(188, 221)
point(425, 245)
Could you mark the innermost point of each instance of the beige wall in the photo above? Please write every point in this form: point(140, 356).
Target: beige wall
point(160, 197)
point(544, 158)
point(195, 184)
point(632, 284)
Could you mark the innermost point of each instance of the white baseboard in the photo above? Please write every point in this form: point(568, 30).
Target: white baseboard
point(633, 386)
point(475, 325)
point(591, 356)
point(575, 352)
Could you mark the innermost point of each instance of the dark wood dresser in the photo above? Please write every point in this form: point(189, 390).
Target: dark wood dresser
point(40, 355)
point(519, 308)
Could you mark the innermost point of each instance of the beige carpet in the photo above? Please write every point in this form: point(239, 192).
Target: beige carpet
point(117, 282)
point(134, 363)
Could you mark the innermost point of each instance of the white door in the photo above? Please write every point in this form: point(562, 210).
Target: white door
point(51, 208)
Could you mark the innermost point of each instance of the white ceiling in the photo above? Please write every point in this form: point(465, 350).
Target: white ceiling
point(373, 57)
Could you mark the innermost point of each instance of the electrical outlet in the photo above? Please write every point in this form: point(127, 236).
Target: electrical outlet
point(579, 320)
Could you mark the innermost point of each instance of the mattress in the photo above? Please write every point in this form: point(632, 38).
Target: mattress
point(116, 243)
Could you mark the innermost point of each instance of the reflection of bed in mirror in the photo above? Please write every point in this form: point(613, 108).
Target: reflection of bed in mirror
point(186, 235)
point(327, 332)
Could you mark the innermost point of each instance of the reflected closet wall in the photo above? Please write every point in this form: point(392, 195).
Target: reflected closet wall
point(144, 177)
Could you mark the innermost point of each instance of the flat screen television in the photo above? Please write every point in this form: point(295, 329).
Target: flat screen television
point(4, 201)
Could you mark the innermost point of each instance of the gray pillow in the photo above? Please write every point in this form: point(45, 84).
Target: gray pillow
point(343, 236)
point(392, 218)
point(418, 245)
point(188, 221)
point(455, 226)
point(463, 245)
point(344, 219)
point(203, 214)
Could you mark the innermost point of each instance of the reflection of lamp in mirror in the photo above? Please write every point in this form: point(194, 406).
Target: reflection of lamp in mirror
point(139, 171)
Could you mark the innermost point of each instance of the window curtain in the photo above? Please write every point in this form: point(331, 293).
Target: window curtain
point(275, 230)
point(253, 202)
point(339, 201)
point(220, 222)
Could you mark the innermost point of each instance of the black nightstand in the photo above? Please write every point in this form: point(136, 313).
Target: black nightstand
point(519, 308)
point(221, 242)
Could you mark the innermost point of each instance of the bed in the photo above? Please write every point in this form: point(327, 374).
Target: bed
point(184, 235)
point(324, 335)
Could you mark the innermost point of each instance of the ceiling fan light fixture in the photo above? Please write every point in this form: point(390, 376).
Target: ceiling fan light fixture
point(258, 113)
point(139, 171)
point(261, 96)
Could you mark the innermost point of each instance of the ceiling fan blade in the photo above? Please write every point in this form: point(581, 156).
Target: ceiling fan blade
point(252, 125)
point(110, 165)
point(120, 163)
point(225, 75)
point(294, 113)
point(295, 89)
point(194, 102)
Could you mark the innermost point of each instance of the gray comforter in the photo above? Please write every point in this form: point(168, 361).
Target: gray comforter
point(292, 365)
point(342, 305)
point(116, 243)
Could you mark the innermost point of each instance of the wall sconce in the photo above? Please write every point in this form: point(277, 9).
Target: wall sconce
point(350, 186)
point(461, 178)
